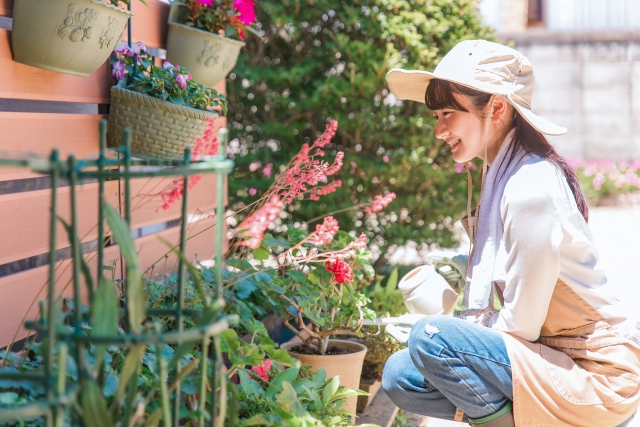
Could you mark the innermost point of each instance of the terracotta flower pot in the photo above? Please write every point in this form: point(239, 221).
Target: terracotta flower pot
point(66, 36)
point(208, 57)
point(347, 366)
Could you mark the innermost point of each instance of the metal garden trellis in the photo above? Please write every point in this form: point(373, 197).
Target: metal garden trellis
point(58, 397)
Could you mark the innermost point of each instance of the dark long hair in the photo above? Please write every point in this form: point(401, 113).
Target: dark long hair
point(439, 95)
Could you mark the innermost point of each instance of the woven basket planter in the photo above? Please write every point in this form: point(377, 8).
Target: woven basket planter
point(159, 128)
point(66, 36)
point(208, 57)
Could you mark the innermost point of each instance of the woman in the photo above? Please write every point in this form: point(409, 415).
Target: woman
point(559, 352)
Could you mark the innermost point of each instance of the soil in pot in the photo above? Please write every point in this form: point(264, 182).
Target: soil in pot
point(331, 350)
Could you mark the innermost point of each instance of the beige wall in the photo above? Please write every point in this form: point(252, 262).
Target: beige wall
point(514, 15)
point(589, 83)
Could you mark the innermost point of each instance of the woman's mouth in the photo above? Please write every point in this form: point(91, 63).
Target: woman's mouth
point(454, 144)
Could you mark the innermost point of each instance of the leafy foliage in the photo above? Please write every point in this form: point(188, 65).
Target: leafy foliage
point(323, 60)
point(168, 83)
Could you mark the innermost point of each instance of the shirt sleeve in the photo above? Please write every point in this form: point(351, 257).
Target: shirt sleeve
point(533, 210)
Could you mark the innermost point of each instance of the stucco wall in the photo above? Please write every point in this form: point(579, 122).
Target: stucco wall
point(588, 82)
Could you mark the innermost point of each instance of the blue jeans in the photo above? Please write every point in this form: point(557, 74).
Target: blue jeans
point(450, 363)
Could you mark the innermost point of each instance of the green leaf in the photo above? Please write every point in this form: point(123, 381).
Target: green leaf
point(288, 375)
point(245, 382)
point(392, 282)
point(176, 99)
point(319, 377)
point(104, 313)
point(271, 241)
point(132, 362)
point(261, 253)
point(208, 316)
point(136, 297)
point(229, 30)
point(94, 406)
point(289, 399)
point(329, 390)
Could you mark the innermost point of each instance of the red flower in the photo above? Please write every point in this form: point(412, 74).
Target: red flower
point(341, 271)
point(263, 370)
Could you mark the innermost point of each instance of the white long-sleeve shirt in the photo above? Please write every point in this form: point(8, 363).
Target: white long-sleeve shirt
point(545, 238)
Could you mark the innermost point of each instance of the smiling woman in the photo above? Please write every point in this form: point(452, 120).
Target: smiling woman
point(540, 360)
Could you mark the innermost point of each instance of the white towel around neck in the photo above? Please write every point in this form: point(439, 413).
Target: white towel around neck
point(489, 250)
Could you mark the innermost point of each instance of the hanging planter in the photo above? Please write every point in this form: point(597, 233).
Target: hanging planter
point(66, 36)
point(164, 108)
point(159, 128)
point(209, 57)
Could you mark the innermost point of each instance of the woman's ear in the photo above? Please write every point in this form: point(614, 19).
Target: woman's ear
point(501, 110)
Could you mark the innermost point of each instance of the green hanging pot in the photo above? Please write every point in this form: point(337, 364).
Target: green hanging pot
point(208, 57)
point(66, 36)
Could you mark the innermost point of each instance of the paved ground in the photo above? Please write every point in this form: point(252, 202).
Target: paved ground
point(616, 232)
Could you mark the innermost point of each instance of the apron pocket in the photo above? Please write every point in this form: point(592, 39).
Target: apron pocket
point(608, 375)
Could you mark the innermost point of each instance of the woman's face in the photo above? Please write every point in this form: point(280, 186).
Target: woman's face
point(461, 130)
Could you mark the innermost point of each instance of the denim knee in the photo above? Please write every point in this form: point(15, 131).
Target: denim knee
point(426, 335)
point(393, 374)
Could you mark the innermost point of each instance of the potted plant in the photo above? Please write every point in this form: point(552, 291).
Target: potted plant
point(202, 36)
point(309, 277)
point(163, 106)
point(72, 37)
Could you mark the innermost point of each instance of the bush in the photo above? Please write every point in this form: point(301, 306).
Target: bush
point(324, 60)
point(602, 178)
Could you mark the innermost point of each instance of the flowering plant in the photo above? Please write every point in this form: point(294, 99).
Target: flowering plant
point(231, 16)
point(309, 277)
point(136, 70)
point(601, 178)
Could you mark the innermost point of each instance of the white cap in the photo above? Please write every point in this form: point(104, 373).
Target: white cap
point(484, 66)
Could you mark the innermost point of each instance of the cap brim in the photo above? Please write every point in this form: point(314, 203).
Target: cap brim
point(412, 85)
point(409, 84)
point(539, 123)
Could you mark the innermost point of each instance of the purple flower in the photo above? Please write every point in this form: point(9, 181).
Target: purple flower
point(118, 70)
point(125, 50)
point(182, 80)
point(206, 2)
point(167, 64)
point(141, 47)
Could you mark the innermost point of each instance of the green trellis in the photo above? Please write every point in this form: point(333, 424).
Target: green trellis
point(59, 396)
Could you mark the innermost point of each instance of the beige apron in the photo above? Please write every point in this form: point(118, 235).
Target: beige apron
point(583, 371)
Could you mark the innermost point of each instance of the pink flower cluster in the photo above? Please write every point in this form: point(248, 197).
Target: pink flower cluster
point(305, 171)
point(255, 225)
point(332, 187)
point(246, 11)
point(379, 202)
point(622, 173)
point(205, 145)
point(324, 232)
point(175, 190)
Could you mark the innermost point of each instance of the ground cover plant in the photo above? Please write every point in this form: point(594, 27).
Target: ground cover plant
point(601, 178)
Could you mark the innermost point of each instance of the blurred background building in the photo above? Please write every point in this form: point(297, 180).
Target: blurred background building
point(586, 57)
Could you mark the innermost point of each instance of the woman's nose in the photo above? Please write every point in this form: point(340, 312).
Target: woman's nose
point(441, 130)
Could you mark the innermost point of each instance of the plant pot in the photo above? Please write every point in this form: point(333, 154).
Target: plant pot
point(159, 128)
point(208, 57)
point(371, 387)
point(66, 36)
point(347, 366)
